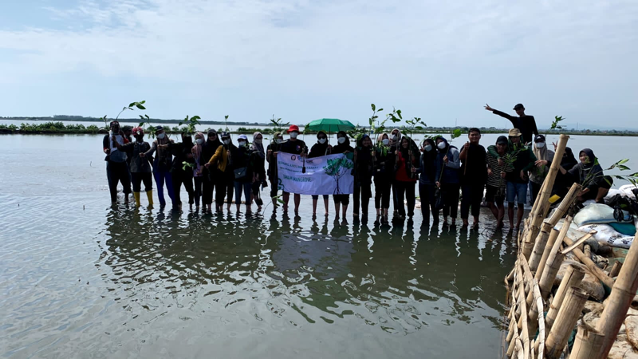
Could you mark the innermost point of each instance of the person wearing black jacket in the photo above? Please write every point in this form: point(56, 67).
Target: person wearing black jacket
point(384, 176)
point(240, 161)
point(525, 123)
point(210, 174)
point(321, 148)
point(182, 170)
point(427, 176)
point(259, 171)
point(140, 166)
point(343, 147)
point(473, 175)
point(564, 181)
point(297, 147)
point(271, 157)
point(364, 165)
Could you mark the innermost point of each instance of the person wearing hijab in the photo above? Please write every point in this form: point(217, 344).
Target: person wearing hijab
point(427, 173)
point(140, 166)
point(271, 157)
point(321, 148)
point(209, 175)
point(198, 170)
point(564, 180)
point(259, 171)
point(364, 165)
point(162, 164)
point(394, 143)
point(447, 177)
point(343, 147)
point(591, 177)
point(472, 176)
point(384, 175)
point(406, 163)
point(542, 165)
point(182, 170)
point(225, 181)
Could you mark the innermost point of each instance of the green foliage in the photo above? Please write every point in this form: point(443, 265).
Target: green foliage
point(132, 106)
point(190, 122)
point(413, 124)
point(555, 124)
point(632, 178)
point(278, 124)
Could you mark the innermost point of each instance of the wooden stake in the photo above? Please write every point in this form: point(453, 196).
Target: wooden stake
point(623, 291)
point(588, 343)
point(540, 245)
point(594, 269)
point(554, 234)
point(569, 313)
point(554, 261)
point(615, 269)
point(571, 279)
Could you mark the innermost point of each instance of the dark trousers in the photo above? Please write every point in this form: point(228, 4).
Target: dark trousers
point(180, 178)
point(274, 189)
point(341, 199)
point(471, 199)
point(408, 188)
point(363, 190)
point(207, 190)
point(162, 177)
point(239, 186)
point(140, 177)
point(198, 191)
point(108, 171)
point(450, 192)
point(427, 196)
point(382, 193)
point(224, 187)
point(257, 195)
point(119, 173)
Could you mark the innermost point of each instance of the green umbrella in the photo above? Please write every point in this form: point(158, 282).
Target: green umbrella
point(330, 125)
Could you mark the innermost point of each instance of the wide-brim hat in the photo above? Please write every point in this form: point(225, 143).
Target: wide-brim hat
point(514, 132)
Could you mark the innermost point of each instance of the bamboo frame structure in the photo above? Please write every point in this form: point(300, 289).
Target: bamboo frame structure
point(588, 343)
point(592, 267)
point(571, 279)
point(623, 291)
point(553, 262)
point(567, 317)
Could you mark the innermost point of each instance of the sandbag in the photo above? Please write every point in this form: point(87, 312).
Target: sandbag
point(624, 228)
point(594, 214)
point(608, 234)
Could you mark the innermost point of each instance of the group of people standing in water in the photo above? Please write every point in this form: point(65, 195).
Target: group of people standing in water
point(394, 163)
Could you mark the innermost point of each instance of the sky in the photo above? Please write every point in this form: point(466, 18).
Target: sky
point(302, 60)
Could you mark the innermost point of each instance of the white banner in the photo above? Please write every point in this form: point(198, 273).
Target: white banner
point(324, 175)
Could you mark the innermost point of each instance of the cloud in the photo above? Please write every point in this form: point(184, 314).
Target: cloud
point(421, 53)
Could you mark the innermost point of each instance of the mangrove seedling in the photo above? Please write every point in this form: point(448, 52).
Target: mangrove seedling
point(190, 122)
point(132, 106)
point(555, 124)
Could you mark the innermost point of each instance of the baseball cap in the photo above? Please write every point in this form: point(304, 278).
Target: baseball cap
point(519, 106)
point(540, 138)
point(502, 140)
point(293, 128)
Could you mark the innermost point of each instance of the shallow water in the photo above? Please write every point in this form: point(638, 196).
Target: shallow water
point(82, 279)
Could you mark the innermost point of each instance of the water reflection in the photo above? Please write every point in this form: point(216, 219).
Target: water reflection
point(397, 278)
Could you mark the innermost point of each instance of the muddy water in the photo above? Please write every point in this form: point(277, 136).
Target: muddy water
point(80, 278)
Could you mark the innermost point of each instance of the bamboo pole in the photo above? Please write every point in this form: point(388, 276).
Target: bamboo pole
point(623, 291)
point(569, 313)
point(551, 241)
point(588, 343)
point(540, 245)
point(580, 241)
point(541, 205)
point(615, 269)
point(571, 279)
point(590, 265)
point(553, 262)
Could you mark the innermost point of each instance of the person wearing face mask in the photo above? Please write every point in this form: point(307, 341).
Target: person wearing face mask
point(472, 176)
point(259, 171)
point(384, 174)
point(297, 147)
point(140, 166)
point(321, 148)
point(240, 161)
point(447, 177)
point(343, 147)
point(127, 130)
point(182, 170)
point(364, 167)
point(209, 175)
point(271, 157)
point(117, 163)
point(495, 181)
point(161, 164)
point(394, 143)
point(406, 163)
point(542, 165)
point(225, 177)
point(427, 181)
point(198, 170)
point(595, 185)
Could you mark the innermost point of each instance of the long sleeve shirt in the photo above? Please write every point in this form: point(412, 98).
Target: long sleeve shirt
point(450, 172)
point(526, 124)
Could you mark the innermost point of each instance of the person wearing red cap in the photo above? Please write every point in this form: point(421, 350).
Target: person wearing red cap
point(297, 147)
